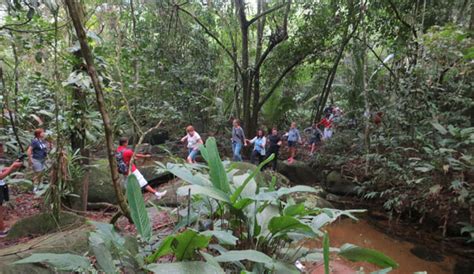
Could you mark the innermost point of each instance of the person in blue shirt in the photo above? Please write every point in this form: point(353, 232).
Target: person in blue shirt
point(294, 137)
point(259, 142)
point(37, 152)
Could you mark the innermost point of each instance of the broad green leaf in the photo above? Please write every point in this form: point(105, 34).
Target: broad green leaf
point(186, 244)
point(164, 249)
point(62, 262)
point(216, 168)
point(102, 253)
point(224, 237)
point(242, 203)
point(273, 195)
point(326, 252)
point(240, 255)
point(203, 190)
point(254, 173)
point(284, 224)
point(293, 210)
point(184, 174)
point(358, 254)
point(137, 208)
point(439, 128)
point(210, 259)
point(185, 268)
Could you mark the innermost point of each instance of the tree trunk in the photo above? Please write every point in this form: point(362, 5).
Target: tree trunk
point(86, 52)
point(245, 71)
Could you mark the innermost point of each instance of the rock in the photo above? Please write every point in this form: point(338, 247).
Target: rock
point(156, 137)
point(100, 181)
point(23, 186)
point(44, 223)
point(312, 200)
point(299, 172)
point(171, 198)
point(264, 177)
point(337, 184)
point(73, 241)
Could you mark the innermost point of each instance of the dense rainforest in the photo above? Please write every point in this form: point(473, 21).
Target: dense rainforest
point(382, 93)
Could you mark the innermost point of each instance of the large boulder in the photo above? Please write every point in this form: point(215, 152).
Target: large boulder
point(44, 223)
point(335, 183)
point(100, 180)
point(263, 178)
point(73, 241)
point(171, 198)
point(299, 172)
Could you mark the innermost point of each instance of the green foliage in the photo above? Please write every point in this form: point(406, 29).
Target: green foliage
point(60, 262)
point(137, 208)
point(355, 253)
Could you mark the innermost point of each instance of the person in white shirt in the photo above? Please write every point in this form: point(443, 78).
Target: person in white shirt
point(194, 140)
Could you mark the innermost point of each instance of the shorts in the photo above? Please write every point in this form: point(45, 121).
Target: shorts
point(141, 180)
point(292, 143)
point(327, 133)
point(4, 194)
point(193, 153)
point(38, 165)
point(314, 141)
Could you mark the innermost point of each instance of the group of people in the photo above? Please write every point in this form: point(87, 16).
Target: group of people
point(264, 146)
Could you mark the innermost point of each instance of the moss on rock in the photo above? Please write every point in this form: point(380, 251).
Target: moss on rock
point(44, 223)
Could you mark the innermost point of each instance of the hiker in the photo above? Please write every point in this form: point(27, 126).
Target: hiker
point(238, 139)
point(4, 195)
point(194, 140)
point(37, 153)
point(315, 136)
point(274, 141)
point(294, 137)
point(259, 142)
point(327, 123)
point(123, 156)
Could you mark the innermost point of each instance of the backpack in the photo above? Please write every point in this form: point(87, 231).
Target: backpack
point(122, 167)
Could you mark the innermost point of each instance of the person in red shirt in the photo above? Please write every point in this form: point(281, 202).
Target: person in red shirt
point(127, 156)
point(327, 123)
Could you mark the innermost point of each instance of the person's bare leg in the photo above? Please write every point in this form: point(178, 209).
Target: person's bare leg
point(150, 189)
point(2, 224)
point(190, 161)
point(313, 147)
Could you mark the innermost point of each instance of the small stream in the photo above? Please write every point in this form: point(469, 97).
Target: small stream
point(364, 234)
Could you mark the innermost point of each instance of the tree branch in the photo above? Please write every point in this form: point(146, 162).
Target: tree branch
point(399, 17)
point(280, 78)
point(258, 16)
point(378, 58)
point(232, 57)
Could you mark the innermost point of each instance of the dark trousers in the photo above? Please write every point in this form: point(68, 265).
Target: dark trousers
point(273, 163)
point(256, 158)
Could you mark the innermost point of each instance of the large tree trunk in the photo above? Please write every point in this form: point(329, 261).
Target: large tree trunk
point(245, 71)
point(86, 52)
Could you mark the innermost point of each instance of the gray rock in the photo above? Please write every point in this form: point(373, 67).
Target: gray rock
point(335, 183)
point(299, 172)
point(44, 223)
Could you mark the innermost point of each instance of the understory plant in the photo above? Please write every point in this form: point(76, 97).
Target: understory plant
point(232, 224)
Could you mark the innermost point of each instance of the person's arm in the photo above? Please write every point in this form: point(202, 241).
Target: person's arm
point(7, 171)
point(184, 138)
point(252, 141)
point(242, 135)
point(29, 151)
point(141, 155)
point(299, 136)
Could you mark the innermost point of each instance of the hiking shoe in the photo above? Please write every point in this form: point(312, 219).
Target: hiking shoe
point(35, 189)
point(4, 233)
point(159, 194)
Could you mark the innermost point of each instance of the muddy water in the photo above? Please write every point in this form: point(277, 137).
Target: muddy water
point(363, 234)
